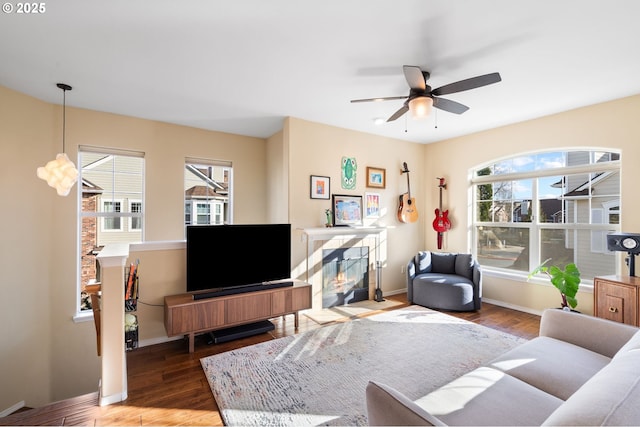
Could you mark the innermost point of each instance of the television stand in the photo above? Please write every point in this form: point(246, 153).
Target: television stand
point(242, 331)
point(219, 292)
point(183, 315)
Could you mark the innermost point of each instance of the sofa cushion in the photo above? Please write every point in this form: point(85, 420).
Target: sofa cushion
point(632, 344)
point(423, 262)
point(464, 266)
point(443, 291)
point(443, 263)
point(610, 397)
point(554, 366)
point(582, 330)
point(388, 407)
point(489, 396)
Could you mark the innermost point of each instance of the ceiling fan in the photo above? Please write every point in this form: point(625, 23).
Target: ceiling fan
point(421, 98)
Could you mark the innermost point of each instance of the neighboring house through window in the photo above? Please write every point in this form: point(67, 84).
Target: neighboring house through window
point(111, 207)
point(207, 192)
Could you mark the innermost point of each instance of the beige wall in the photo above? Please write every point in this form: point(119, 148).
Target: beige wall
point(317, 149)
point(612, 125)
point(27, 128)
point(162, 272)
point(278, 179)
point(44, 356)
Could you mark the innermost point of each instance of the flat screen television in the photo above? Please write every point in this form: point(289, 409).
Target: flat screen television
point(229, 257)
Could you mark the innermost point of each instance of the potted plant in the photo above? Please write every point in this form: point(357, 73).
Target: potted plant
point(566, 280)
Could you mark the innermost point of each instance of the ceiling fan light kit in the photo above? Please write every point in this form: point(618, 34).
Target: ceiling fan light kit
point(421, 99)
point(421, 107)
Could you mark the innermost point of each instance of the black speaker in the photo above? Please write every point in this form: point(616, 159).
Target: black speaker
point(624, 242)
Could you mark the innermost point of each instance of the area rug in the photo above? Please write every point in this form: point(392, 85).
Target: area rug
point(360, 308)
point(319, 377)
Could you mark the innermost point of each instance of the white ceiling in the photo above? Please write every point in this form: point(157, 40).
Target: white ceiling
point(242, 66)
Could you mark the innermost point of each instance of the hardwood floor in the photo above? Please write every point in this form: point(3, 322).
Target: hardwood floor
point(167, 386)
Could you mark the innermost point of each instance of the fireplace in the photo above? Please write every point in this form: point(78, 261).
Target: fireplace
point(321, 241)
point(345, 275)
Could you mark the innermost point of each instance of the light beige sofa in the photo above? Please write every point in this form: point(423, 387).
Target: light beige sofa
point(580, 370)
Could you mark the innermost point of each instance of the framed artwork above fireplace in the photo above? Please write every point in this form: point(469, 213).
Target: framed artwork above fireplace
point(376, 177)
point(320, 187)
point(347, 210)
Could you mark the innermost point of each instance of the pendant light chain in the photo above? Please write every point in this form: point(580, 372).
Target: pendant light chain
point(65, 88)
point(64, 119)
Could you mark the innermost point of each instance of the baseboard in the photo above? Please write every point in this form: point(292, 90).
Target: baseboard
point(157, 340)
point(396, 292)
point(114, 398)
point(13, 408)
point(512, 306)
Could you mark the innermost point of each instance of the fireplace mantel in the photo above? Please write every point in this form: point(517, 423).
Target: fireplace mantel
point(318, 238)
point(327, 233)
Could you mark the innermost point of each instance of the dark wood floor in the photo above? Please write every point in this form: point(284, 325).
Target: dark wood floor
point(167, 386)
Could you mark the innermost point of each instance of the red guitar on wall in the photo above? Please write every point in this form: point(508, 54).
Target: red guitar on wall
point(441, 223)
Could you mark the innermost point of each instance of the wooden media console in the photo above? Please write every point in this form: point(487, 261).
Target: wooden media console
point(183, 315)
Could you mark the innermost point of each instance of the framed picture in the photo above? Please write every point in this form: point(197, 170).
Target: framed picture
point(376, 177)
point(320, 187)
point(347, 210)
point(371, 205)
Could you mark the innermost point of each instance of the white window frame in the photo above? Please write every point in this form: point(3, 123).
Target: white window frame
point(85, 315)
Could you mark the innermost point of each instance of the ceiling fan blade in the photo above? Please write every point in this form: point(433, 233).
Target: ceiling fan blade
point(467, 84)
point(398, 113)
point(449, 105)
point(389, 98)
point(414, 77)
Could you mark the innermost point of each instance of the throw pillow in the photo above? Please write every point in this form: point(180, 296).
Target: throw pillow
point(444, 263)
point(464, 266)
point(423, 262)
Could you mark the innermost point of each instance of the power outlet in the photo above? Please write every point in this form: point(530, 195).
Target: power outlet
point(403, 269)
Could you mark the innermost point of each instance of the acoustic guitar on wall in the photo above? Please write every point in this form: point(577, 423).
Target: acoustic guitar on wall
point(441, 223)
point(407, 210)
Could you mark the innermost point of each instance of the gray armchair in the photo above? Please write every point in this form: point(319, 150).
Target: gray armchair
point(446, 281)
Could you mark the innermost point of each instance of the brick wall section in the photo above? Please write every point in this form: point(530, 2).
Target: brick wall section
point(89, 239)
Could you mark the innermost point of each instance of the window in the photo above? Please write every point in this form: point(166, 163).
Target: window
point(111, 207)
point(207, 192)
point(111, 223)
point(558, 205)
point(135, 222)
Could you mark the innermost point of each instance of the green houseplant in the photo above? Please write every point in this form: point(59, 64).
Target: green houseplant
point(566, 280)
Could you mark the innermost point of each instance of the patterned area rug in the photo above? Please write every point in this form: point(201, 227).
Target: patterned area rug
point(319, 377)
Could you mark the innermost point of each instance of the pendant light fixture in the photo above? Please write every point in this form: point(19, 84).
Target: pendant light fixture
point(60, 173)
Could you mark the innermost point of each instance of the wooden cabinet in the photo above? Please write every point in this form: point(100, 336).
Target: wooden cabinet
point(185, 316)
point(617, 298)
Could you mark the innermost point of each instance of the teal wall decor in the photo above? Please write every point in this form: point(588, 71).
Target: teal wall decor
point(349, 168)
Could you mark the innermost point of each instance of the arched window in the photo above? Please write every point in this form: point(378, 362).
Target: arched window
point(558, 205)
